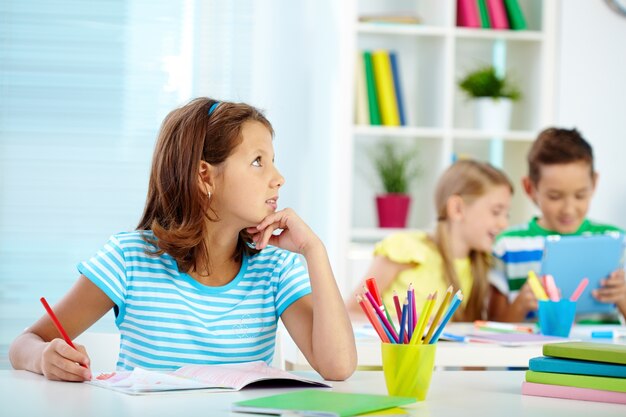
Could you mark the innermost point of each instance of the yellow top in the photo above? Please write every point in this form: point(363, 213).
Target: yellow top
point(426, 275)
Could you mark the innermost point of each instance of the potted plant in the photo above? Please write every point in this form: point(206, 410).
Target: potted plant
point(396, 167)
point(493, 97)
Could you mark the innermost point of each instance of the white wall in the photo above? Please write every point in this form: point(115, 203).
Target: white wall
point(591, 95)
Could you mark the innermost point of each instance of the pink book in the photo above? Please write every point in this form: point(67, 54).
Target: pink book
point(573, 393)
point(497, 13)
point(467, 14)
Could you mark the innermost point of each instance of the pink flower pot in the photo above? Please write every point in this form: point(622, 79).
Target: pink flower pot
point(393, 209)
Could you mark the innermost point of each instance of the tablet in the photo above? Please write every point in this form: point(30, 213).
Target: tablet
point(569, 259)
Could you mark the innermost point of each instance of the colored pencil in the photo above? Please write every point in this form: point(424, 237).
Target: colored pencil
point(396, 303)
point(381, 315)
point(551, 289)
point(420, 324)
point(431, 305)
point(535, 286)
point(454, 305)
point(440, 311)
point(373, 288)
point(57, 324)
point(370, 316)
point(410, 320)
point(579, 290)
point(403, 336)
point(503, 327)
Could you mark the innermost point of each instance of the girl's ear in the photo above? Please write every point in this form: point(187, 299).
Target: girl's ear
point(455, 207)
point(206, 177)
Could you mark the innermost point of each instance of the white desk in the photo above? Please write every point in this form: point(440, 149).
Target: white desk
point(449, 354)
point(452, 393)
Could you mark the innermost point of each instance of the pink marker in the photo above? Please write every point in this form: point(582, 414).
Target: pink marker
point(579, 290)
point(551, 289)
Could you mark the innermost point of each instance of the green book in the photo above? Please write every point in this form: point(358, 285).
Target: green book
point(587, 351)
point(321, 403)
point(605, 383)
point(372, 96)
point(515, 15)
point(484, 14)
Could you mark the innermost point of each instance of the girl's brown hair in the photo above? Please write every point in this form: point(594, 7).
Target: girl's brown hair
point(177, 207)
point(469, 180)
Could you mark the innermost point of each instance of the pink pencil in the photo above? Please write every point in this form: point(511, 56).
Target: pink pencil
point(380, 313)
point(579, 290)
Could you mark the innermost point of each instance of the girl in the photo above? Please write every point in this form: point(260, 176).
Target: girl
point(204, 278)
point(472, 200)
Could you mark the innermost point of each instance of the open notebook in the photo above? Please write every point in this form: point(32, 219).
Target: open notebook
point(215, 378)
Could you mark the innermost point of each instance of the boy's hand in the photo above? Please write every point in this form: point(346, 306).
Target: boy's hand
point(295, 236)
point(613, 289)
point(525, 301)
point(61, 362)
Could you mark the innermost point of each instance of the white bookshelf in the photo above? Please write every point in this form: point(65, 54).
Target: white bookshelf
point(432, 56)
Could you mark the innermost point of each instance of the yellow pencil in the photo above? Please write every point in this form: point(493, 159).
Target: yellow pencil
point(416, 339)
point(442, 308)
point(536, 287)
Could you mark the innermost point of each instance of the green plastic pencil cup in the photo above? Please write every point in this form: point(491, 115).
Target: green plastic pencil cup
point(408, 369)
point(556, 317)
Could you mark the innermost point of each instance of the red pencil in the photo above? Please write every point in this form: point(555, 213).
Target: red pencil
point(57, 324)
point(373, 289)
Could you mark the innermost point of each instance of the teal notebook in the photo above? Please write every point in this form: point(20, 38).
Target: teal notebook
point(587, 351)
point(320, 403)
point(571, 366)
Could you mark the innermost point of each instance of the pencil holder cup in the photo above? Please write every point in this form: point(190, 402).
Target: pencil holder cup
point(556, 317)
point(408, 369)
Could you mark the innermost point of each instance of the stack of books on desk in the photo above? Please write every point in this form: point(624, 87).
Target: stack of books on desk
point(580, 371)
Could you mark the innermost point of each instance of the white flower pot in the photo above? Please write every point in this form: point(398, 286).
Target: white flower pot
point(493, 114)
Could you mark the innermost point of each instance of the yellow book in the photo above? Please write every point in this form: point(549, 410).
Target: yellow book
point(387, 100)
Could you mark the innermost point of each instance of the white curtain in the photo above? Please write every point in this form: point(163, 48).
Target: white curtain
point(84, 86)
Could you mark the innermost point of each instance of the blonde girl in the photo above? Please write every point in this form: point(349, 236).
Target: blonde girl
point(472, 200)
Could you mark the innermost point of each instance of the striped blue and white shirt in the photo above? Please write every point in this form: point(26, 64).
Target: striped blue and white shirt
point(167, 319)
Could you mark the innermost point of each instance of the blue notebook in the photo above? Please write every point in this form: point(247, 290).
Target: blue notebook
point(571, 366)
point(569, 259)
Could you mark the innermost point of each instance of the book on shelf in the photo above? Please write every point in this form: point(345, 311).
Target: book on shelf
point(372, 98)
point(361, 105)
point(581, 381)
point(395, 72)
point(573, 393)
point(485, 22)
point(213, 378)
point(385, 88)
point(497, 14)
point(587, 351)
point(399, 18)
point(515, 15)
point(320, 403)
point(467, 14)
point(572, 366)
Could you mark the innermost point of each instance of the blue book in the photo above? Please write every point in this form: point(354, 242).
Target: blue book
point(395, 72)
point(571, 366)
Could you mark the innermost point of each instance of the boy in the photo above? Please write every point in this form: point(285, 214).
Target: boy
point(561, 181)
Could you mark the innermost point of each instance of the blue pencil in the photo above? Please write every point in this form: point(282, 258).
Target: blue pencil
point(405, 307)
point(456, 302)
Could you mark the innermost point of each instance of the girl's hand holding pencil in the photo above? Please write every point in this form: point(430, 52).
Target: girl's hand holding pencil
point(410, 329)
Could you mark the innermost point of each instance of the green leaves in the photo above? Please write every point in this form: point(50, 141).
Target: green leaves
point(396, 166)
point(484, 82)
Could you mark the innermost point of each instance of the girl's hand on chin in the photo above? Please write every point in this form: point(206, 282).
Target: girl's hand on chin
point(295, 235)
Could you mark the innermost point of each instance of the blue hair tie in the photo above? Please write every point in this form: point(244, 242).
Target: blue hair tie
point(213, 107)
